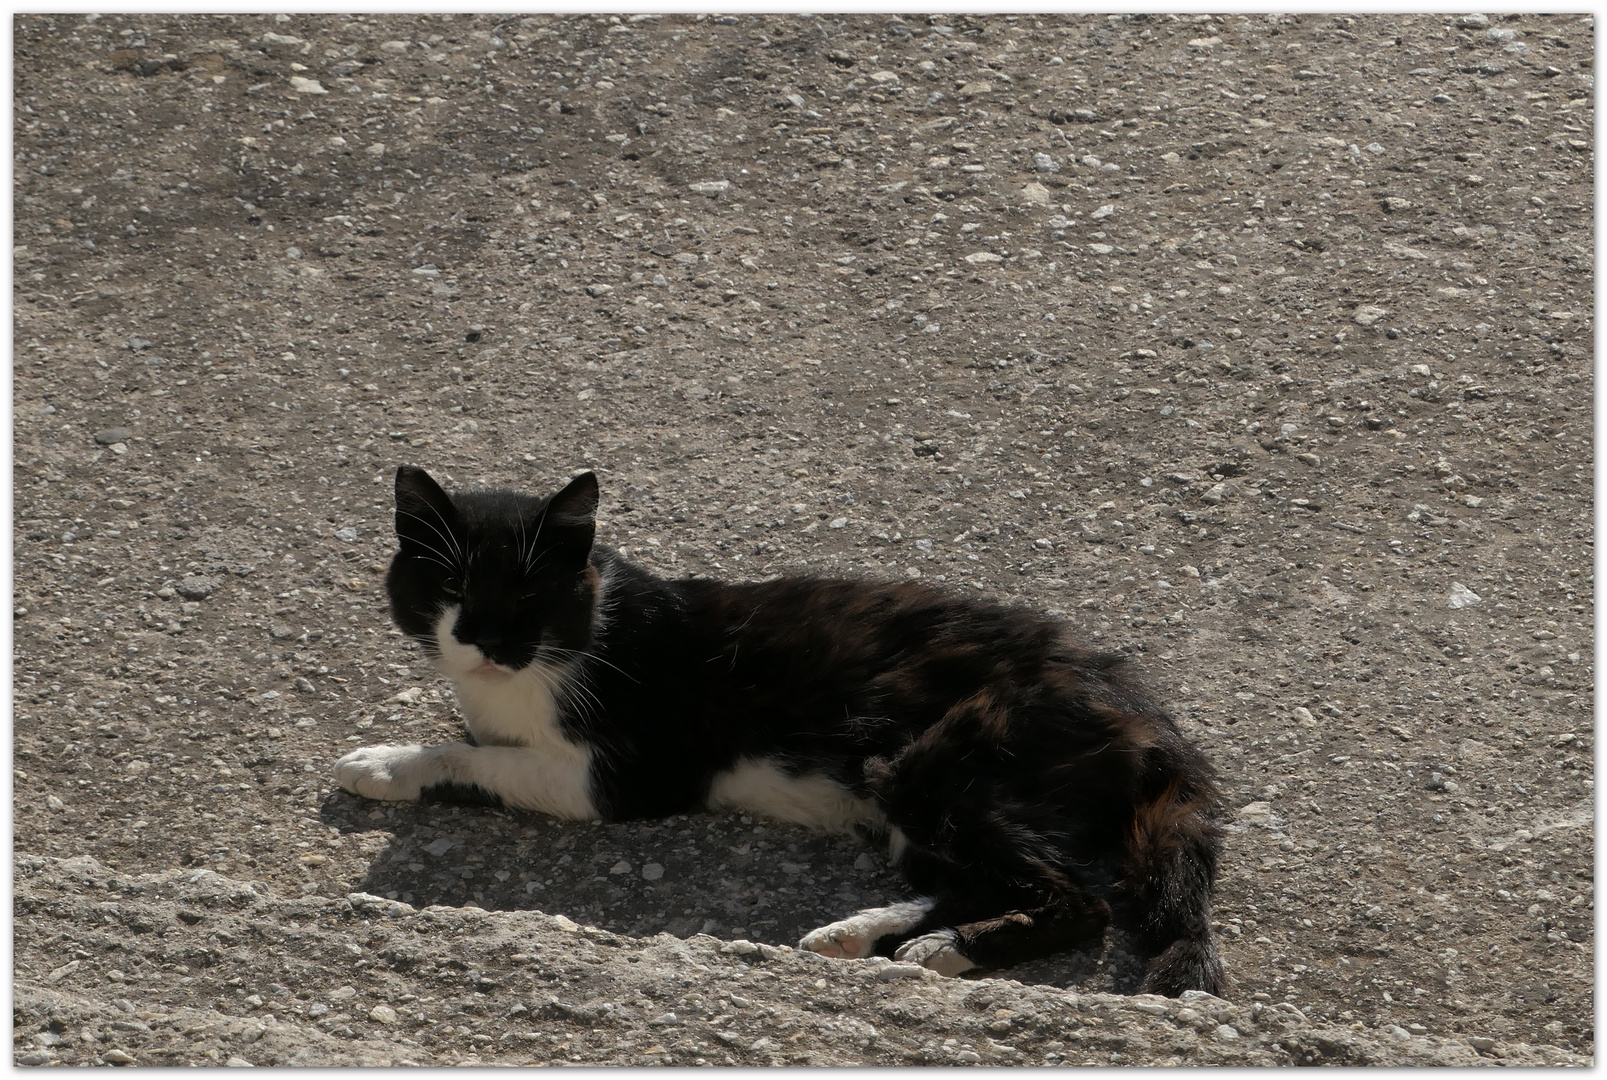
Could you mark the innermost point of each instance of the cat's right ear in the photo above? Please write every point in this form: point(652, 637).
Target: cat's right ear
point(425, 515)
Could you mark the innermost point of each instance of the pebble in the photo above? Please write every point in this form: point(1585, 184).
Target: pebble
point(302, 85)
point(35, 1057)
point(1474, 21)
point(978, 257)
point(1103, 212)
point(1462, 596)
point(113, 435)
point(1482, 1043)
point(347, 534)
point(667, 1020)
point(599, 289)
point(710, 187)
point(198, 587)
point(237, 1062)
point(889, 972)
point(382, 1014)
point(119, 1057)
point(1367, 316)
point(1045, 163)
point(652, 872)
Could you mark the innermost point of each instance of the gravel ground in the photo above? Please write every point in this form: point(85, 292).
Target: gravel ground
point(1258, 348)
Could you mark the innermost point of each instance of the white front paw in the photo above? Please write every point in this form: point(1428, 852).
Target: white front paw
point(392, 773)
point(937, 951)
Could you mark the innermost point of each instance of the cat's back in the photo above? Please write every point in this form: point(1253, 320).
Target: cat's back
point(869, 621)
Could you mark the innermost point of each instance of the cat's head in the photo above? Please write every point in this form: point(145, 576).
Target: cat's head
point(490, 581)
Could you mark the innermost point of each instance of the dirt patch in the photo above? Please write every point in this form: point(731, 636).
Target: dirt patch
point(1258, 348)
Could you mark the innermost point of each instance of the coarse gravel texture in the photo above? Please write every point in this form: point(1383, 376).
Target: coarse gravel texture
point(1259, 348)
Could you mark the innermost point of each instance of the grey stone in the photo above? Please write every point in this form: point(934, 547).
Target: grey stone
point(113, 435)
point(198, 586)
point(890, 972)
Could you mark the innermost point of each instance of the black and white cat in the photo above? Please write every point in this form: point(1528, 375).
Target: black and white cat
point(1019, 778)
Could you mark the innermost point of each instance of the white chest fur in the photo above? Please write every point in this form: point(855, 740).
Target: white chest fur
point(517, 710)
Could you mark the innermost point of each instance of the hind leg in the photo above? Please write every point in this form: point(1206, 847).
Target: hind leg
point(960, 934)
point(856, 936)
point(1170, 868)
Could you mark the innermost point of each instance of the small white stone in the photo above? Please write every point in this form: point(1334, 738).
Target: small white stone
point(652, 872)
point(302, 85)
point(889, 972)
point(1462, 596)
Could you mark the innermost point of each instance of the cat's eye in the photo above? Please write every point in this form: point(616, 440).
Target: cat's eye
point(452, 587)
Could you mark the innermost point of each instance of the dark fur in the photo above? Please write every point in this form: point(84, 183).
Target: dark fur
point(1017, 762)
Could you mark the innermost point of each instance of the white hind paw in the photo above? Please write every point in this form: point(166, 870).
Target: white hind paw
point(392, 773)
point(855, 936)
point(938, 951)
point(849, 939)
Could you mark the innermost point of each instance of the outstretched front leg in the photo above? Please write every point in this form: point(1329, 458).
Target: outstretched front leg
point(517, 776)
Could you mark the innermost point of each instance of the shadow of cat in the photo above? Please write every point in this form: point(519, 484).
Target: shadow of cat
point(727, 875)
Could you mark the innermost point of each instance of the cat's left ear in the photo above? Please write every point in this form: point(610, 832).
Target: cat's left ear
point(571, 515)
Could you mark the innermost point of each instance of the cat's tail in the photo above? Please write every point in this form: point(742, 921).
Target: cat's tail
point(1170, 868)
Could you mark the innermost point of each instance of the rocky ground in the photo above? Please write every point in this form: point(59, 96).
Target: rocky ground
point(1258, 348)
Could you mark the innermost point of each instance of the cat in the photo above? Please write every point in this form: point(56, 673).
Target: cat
point(1005, 764)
